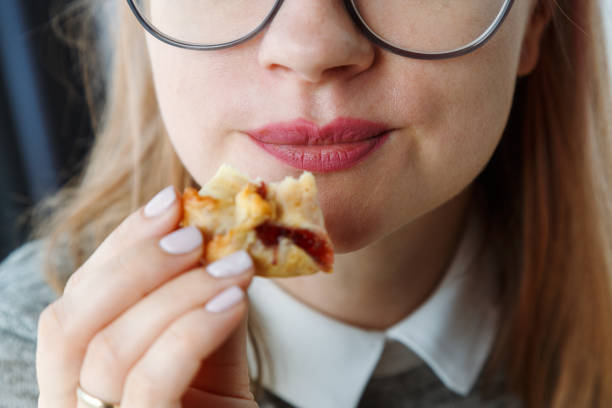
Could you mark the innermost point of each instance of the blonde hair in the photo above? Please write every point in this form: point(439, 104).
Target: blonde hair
point(551, 226)
point(557, 338)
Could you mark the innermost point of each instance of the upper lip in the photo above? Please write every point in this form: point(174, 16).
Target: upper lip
point(303, 132)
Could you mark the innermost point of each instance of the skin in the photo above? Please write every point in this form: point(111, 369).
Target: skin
point(395, 218)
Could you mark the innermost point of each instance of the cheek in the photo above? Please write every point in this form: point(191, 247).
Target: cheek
point(454, 113)
point(474, 96)
point(455, 110)
point(192, 93)
point(476, 104)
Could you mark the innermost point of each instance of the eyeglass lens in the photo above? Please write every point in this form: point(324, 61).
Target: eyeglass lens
point(427, 26)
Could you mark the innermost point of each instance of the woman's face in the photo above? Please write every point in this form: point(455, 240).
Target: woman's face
point(312, 63)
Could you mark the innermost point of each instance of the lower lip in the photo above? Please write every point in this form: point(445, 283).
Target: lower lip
point(324, 158)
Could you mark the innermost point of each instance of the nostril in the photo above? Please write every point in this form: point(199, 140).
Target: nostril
point(315, 75)
point(340, 70)
point(278, 70)
point(277, 67)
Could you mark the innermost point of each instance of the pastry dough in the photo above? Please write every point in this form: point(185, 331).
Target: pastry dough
point(279, 224)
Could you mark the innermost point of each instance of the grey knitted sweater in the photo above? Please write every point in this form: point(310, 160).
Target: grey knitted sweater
point(24, 294)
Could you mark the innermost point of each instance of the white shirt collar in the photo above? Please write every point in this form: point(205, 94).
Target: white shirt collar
point(320, 362)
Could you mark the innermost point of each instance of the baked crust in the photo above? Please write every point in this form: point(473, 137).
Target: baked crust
point(280, 224)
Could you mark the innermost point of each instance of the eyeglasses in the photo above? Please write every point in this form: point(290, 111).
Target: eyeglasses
point(423, 29)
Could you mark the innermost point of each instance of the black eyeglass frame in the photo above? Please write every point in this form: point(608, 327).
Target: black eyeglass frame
point(357, 18)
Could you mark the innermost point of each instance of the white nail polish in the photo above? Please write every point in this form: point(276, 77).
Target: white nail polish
point(231, 265)
point(181, 241)
point(226, 299)
point(160, 202)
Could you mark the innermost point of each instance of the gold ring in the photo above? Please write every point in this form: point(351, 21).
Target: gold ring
point(92, 401)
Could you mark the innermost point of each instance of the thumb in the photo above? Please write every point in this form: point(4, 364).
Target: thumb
point(226, 372)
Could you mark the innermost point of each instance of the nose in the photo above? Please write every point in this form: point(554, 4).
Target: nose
point(314, 40)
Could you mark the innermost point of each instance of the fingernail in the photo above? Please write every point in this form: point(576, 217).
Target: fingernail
point(226, 299)
point(160, 202)
point(181, 241)
point(231, 265)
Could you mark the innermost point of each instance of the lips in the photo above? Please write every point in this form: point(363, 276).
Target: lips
point(337, 146)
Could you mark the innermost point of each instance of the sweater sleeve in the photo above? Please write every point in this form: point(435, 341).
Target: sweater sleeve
point(23, 295)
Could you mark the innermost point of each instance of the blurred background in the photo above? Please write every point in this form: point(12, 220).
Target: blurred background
point(45, 129)
point(44, 123)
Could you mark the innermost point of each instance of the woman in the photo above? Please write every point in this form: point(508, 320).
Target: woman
point(504, 143)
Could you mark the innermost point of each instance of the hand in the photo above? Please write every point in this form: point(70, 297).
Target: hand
point(140, 322)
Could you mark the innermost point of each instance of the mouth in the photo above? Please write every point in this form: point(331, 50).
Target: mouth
point(339, 145)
